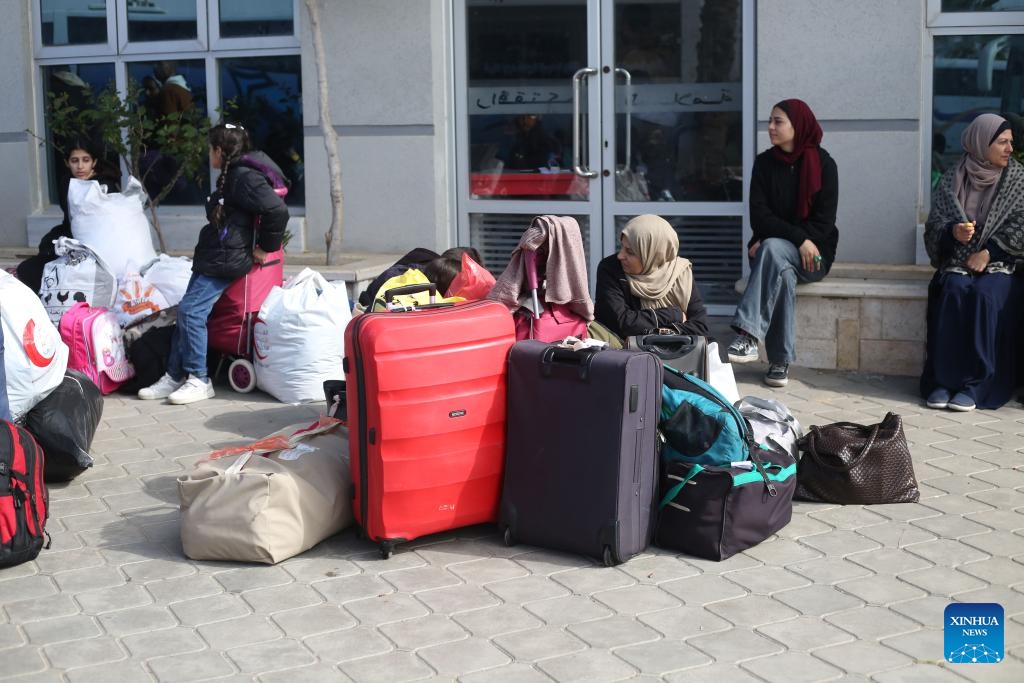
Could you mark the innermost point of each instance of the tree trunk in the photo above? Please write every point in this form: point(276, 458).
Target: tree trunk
point(156, 227)
point(333, 235)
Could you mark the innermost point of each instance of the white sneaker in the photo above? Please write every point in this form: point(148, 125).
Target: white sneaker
point(194, 389)
point(164, 387)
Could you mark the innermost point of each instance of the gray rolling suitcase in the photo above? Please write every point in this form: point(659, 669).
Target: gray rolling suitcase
point(581, 467)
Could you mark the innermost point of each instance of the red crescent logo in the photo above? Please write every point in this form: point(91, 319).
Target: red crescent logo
point(257, 347)
point(28, 339)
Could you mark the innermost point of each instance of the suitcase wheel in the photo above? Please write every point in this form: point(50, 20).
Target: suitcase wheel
point(386, 549)
point(609, 557)
point(242, 376)
point(509, 541)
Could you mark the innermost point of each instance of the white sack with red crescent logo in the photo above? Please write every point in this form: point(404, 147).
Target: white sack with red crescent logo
point(299, 337)
point(34, 355)
point(114, 224)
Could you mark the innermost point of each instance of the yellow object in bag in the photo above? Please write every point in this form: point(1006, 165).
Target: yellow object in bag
point(413, 276)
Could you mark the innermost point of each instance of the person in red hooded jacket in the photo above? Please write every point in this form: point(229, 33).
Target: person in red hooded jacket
point(794, 193)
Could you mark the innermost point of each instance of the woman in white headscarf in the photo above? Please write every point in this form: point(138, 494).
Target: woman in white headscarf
point(647, 287)
point(975, 239)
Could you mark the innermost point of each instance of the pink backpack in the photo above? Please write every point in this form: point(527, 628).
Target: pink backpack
point(96, 344)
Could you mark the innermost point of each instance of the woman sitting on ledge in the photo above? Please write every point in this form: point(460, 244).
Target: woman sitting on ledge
point(975, 239)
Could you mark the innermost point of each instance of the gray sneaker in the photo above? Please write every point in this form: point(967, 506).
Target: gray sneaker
point(743, 349)
point(164, 387)
point(777, 375)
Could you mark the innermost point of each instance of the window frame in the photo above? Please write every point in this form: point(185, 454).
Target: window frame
point(242, 43)
point(936, 18)
point(938, 23)
point(208, 47)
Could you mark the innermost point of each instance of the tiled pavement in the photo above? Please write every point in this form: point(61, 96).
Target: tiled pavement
point(842, 593)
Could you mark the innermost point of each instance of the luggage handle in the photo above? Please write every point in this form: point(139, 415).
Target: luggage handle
point(662, 344)
point(414, 288)
point(563, 356)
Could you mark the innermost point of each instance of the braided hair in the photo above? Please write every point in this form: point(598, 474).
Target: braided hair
point(233, 142)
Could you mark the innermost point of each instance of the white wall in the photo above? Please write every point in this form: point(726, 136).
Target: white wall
point(858, 66)
point(382, 80)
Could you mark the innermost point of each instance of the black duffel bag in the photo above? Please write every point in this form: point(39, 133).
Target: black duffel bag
point(64, 424)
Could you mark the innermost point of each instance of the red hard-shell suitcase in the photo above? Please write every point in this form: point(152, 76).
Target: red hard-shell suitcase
point(581, 469)
point(426, 394)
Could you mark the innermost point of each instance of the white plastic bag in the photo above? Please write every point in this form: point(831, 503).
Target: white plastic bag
point(299, 337)
point(77, 274)
point(34, 356)
point(136, 299)
point(720, 375)
point(114, 224)
point(772, 422)
point(170, 275)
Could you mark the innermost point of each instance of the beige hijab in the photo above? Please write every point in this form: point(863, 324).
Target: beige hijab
point(666, 279)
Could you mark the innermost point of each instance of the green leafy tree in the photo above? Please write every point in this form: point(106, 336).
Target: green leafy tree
point(127, 130)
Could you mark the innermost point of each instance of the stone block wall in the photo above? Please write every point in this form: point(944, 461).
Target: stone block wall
point(864, 333)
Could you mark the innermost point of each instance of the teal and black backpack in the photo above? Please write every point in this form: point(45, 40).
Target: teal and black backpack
point(699, 425)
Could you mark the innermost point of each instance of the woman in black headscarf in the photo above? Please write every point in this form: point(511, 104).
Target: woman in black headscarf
point(975, 239)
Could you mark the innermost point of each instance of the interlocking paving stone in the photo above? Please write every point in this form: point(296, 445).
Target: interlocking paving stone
point(61, 629)
point(349, 644)
point(392, 667)
point(571, 609)
point(24, 611)
point(703, 589)
point(464, 656)
point(612, 632)
point(736, 644)
point(662, 656)
point(307, 621)
point(317, 673)
point(898, 534)
point(539, 643)
point(955, 504)
point(488, 570)
point(461, 598)
point(683, 622)
point(881, 589)
point(269, 656)
point(281, 598)
point(385, 609)
point(942, 581)
point(922, 672)
point(590, 580)
point(83, 652)
point(792, 667)
point(805, 633)
point(497, 620)
point(819, 599)
point(766, 580)
point(510, 673)
point(637, 599)
point(419, 632)
point(862, 657)
point(829, 570)
point(657, 569)
point(223, 635)
point(210, 609)
point(193, 666)
point(163, 642)
point(872, 623)
point(588, 666)
point(752, 611)
point(136, 620)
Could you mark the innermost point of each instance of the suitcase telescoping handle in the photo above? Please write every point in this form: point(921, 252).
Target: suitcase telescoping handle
point(667, 345)
point(415, 288)
point(557, 355)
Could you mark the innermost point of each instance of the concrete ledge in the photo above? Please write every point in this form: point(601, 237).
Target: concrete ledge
point(863, 317)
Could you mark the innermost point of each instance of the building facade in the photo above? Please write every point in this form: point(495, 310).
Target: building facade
point(459, 120)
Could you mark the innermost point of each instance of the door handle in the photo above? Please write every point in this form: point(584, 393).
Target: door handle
point(629, 119)
point(577, 163)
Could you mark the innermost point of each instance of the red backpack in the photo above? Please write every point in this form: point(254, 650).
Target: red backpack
point(23, 496)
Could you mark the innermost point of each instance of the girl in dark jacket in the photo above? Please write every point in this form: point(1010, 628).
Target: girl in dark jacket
point(794, 192)
point(244, 203)
point(647, 287)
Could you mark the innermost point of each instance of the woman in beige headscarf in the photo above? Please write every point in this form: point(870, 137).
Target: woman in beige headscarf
point(647, 287)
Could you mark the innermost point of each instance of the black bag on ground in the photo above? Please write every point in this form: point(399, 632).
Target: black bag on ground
point(64, 424)
point(716, 511)
point(149, 355)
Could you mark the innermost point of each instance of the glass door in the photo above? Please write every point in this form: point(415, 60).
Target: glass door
point(603, 110)
point(526, 135)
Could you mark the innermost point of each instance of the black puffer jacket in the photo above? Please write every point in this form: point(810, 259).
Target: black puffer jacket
point(250, 203)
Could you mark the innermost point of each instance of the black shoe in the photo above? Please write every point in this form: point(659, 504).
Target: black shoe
point(778, 375)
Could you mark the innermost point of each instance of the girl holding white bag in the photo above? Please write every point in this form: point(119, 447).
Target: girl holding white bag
point(226, 250)
point(83, 161)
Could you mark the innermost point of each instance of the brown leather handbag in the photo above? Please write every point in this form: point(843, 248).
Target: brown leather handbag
point(850, 464)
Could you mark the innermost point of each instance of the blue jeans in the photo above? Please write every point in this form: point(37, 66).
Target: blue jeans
point(5, 407)
point(766, 310)
point(188, 345)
